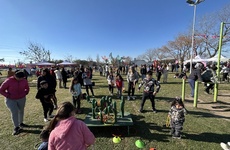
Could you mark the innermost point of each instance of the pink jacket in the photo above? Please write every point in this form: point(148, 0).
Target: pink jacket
point(14, 89)
point(70, 134)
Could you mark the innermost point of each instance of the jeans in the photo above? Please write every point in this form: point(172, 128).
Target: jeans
point(151, 97)
point(16, 108)
point(192, 86)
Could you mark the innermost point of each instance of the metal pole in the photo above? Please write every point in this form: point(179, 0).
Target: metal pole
point(183, 90)
point(218, 62)
point(196, 93)
point(193, 32)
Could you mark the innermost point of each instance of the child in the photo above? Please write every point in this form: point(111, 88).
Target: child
point(67, 132)
point(149, 92)
point(176, 114)
point(44, 136)
point(75, 89)
point(119, 85)
point(45, 95)
point(110, 80)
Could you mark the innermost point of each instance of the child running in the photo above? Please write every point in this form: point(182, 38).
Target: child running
point(119, 85)
point(110, 80)
point(75, 89)
point(148, 91)
point(45, 94)
point(177, 115)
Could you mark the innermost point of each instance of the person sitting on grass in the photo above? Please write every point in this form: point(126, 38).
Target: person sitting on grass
point(45, 94)
point(148, 91)
point(67, 132)
point(44, 136)
point(177, 117)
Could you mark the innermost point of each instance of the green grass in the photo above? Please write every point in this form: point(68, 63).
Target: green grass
point(202, 129)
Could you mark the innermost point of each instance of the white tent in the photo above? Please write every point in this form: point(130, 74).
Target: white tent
point(66, 63)
point(196, 59)
point(215, 58)
point(44, 63)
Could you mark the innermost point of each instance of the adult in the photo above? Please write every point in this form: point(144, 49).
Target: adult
point(225, 70)
point(143, 71)
point(159, 70)
point(45, 75)
point(87, 76)
point(78, 75)
point(206, 77)
point(10, 73)
point(15, 89)
point(67, 132)
point(58, 76)
point(195, 75)
point(64, 77)
point(132, 78)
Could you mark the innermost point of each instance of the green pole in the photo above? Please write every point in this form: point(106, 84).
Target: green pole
point(183, 89)
point(218, 62)
point(195, 93)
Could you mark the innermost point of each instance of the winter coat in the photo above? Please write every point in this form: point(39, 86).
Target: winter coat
point(14, 89)
point(70, 134)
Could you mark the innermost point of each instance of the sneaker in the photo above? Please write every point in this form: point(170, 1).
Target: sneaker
point(55, 107)
point(154, 111)
point(141, 111)
point(46, 120)
point(176, 137)
point(133, 97)
point(224, 146)
point(16, 131)
point(51, 116)
point(23, 125)
point(128, 98)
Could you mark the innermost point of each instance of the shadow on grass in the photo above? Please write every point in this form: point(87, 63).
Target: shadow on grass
point(207, 115)
point(207, 137)
point(26, 131)
point(35, 126)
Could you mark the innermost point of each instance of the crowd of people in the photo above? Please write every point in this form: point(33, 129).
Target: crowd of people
point(64, 127)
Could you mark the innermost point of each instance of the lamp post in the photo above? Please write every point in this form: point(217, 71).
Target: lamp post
point(193, 3)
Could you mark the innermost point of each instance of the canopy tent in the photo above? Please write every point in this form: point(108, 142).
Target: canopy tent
point(45, 63)
point(196, 59)
point(215, 58)
point(66, 63)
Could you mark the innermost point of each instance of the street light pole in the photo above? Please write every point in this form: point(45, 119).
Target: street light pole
point(192, 3)
point(193, 32)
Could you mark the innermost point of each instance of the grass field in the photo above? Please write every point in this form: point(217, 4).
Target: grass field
point(202, 129)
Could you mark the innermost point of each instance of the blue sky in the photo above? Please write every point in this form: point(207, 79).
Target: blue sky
point(85, 28)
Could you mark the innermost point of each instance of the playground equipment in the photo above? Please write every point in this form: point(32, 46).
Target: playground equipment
point(105, 113)
point(217, 72)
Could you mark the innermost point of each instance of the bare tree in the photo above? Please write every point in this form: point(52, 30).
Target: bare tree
point(36, 53)
point(209, 30)
point(69, 58)
point(180, 47)
point(98, 59)
point(150, 55)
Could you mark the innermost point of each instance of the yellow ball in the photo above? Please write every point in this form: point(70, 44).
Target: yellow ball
point(116, 139)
